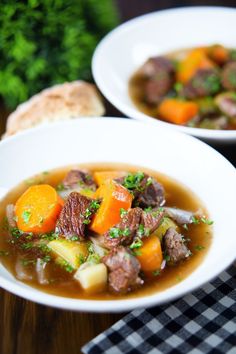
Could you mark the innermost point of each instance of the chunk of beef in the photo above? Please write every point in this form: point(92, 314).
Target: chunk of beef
point(78, 178)
point(147, 192)
point(124, 232)
point(29, 245)
point(151, 220)
point(159, 72)
point(205, 82)
point(151, 193)
point(123, 270)
point(228, 76)
point(75, 215)
point(174, 246)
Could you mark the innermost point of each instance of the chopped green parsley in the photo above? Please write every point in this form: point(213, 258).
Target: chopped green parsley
point(137, 243)
point(116, 232)
point(142, 231)
point(26, 215)
point(123, 212)
point(199, 248)
point(133, 181)
point(207, 221)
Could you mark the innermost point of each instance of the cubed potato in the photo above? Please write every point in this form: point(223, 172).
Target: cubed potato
point(92, 277)
point(72, 252)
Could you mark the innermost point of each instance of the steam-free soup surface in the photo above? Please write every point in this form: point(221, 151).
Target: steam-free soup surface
point(57, 277)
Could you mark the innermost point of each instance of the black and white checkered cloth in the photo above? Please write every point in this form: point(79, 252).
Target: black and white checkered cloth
point(199, 323)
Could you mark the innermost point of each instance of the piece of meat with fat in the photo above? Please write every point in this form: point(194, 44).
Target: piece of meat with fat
point(174, 246)
point(159, 72)
point(79, 178)
point(205, 82)
point(72, 219)
point(29, 245)
point(151, 220)
point(123, 270)
point(149, 193)
point(228, 76)
point(129, 223)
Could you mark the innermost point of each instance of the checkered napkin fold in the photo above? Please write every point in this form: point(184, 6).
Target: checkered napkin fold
point(199, 323)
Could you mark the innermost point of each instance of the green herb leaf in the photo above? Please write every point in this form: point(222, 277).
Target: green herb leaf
point(26, 215)
point(46, 259)
point(142, 231)
point(156, 272)
point(199, 248)
point(195, 220)
point(132, 180)
point(167, 258)
point(137, 243)
point(123, 212)
point(94, 258)
point(74, 238)
point(28, 262)
point(60, 187)
point(50, 236)
point(27, 245)
point(206, 221)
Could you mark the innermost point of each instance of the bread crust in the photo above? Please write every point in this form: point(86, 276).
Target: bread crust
point(60, 102)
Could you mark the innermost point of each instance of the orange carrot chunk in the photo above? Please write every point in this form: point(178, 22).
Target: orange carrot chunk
point(150, 254)
point(38, 208)
point(195, 60)
point(177, 111)
point(218, 53)
point(102, 176)
point(114, 198)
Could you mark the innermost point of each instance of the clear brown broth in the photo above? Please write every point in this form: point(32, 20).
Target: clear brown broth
point(62, 283)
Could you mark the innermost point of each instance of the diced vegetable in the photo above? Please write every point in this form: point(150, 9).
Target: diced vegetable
point(164, 226)
point(92, 277)
point(195, 60)
point(87, 192)
point(218, 53)
point(97, 247)
point(72, 252)
point(38, 208)
point(101, 176)
point(150, 254)
point(177, 111)
point(207, 106)
point(114, 198)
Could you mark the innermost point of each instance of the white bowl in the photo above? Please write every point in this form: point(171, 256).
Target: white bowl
point(186, 159)
point(127, 47)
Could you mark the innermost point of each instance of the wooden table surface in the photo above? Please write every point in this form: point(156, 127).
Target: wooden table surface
point(28, 328)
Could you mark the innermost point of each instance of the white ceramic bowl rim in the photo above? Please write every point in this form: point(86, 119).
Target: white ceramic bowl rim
point(71, 130)
point(129, 109)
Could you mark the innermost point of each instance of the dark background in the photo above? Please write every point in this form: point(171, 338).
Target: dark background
point(132, 8)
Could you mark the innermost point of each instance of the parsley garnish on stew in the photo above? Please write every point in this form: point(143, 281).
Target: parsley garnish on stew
point(133, 180)
point(26, 215)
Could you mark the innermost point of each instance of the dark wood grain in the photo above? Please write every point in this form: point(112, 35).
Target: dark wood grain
point(28, 328)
